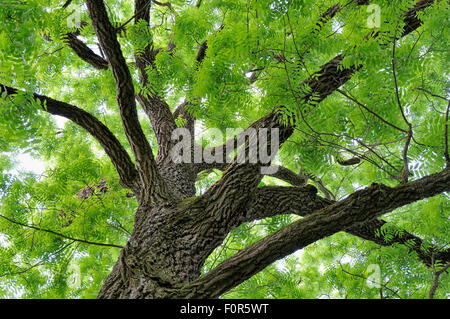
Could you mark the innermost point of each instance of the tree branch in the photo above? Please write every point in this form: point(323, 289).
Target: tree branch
point(224, 203)
point(67, 3)
point(285, 174)
point(163, 4)
point(300, 179)
point(446, 155)
point(154, 106)
point(370, 280)
point(153, 185)
point(81, 49)
point(118, 155)
point(182, 111)
point(275, 200)
point(372, 230)
point(432, 94)
point(221, 152)
point(59, 234)
point(331, 76)
point(85, 53)
point(371, 112)
point(436, 275)
point(243, 174)
point(38, 263)
point(354, 210)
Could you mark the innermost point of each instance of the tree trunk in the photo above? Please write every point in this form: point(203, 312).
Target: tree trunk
point(169, 244)
point(160, 254)
point(174, 231)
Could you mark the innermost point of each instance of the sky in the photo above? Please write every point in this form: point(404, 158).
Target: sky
point(26, 163)
point(29, 164)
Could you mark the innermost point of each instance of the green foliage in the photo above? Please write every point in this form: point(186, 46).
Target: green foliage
point(140, 36)
point(283, 44)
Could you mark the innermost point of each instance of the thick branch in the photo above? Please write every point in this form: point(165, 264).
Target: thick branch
point(82, 50)
point(285, 174)
point(220, 152)
point(228, 197)
point(154, 106)
point(331, 76)
point(119, 157)
point(85, 53)
point(161, 120)
point(274, 200)
point(183, 113)
point(356, 209)
point(410, 17)
point(372, 231)
point(126, 99)
point(67, 3)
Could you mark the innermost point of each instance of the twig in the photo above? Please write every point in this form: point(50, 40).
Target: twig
point(432, 94)
point(436, 275)
point(409, 136)
point(370, 111)
point(405, 172)
point(394, 74)
point(36, 264)
point(414, 45)
point(447, 157)
point(365, 278)
point(59, 234)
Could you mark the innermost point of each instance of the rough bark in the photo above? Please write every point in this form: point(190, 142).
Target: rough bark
point(274, 200)
point(151, 273)
point(354, 210)
point(176, 240)
point(169, 244)
point(174, 232)
point(153, 187)
point(179, 178)
point(119, 157)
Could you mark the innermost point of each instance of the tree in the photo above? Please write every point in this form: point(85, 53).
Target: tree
point(351, 96)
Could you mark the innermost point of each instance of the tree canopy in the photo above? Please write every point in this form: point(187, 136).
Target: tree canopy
point(362, 89)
